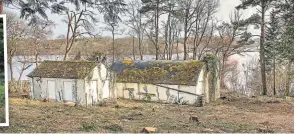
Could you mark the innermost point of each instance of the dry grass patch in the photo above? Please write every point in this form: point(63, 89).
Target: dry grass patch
point(240, 115)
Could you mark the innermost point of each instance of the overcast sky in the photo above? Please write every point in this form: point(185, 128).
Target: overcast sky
point(225, 8)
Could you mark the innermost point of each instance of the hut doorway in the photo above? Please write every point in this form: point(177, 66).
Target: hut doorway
point(68, 91)
point(51, 89)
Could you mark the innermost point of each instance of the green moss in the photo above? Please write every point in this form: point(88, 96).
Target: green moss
point(181, 73)
point(127, 62)
point(186, 72)
point(63, 69)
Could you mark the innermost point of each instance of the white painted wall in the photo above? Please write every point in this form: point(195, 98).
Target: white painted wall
point(40, 87)
point(82, 90)
point(200, 89)
point(162, 94)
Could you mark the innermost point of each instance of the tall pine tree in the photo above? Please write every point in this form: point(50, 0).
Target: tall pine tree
point(272, 43)
point(285, 10)
point(264, 5)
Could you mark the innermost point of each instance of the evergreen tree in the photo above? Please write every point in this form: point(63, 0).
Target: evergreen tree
point(156, 8)
point(264, 5)
point(272, 43)
point(285, 11)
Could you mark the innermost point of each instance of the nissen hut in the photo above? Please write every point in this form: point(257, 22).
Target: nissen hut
point(184, 82)
point(82, 82)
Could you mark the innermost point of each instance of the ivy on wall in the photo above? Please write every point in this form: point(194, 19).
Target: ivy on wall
point(212, 69)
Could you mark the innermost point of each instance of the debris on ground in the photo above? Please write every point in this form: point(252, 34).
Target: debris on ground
point(70, 104)
point(239, 116)
point(193, 118)
point(149, 130)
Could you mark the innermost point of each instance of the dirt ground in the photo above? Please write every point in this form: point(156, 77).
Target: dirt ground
point(230, 114)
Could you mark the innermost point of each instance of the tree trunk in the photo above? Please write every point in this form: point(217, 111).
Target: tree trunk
point(140, 48)
point(113, 39)
point(140, 39)
point(21, 73)
point(133, 48)
point(262, 59)
point(222, 84)
point(185, 39)
point(274, 76)
point(195, 40)
point(171, 47)
point(157, 30)
point(166, 40)
point(177, 56)
point(68, 38)
point(11, 67)
point(66, 55)
point(287, 90)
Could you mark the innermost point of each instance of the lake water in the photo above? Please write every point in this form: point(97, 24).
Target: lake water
point(18, 63)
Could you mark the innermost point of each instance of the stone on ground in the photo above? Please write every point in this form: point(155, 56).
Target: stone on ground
point(149, 130)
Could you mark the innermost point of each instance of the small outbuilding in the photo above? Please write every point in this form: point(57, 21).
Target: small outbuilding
point(82, 82)
point(184, 82)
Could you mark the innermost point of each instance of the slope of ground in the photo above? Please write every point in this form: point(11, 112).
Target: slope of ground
point(229, 114)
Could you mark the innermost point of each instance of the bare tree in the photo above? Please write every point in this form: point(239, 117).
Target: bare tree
point(206, 41)
point(170, 28)
point(153, 8)
point(187, 12)
point(78, 25)
point(16, 31)
point(232, 37)
point(204, 14)
point(113, 9)
point(23, 59)
point(135, 23)
point(38, 35)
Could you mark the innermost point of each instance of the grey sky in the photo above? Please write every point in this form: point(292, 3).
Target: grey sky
point(225, 8)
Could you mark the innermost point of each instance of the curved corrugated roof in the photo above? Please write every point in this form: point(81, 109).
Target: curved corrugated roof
point(158, 72)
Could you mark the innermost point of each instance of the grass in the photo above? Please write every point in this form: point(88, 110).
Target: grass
point(87, 127)
point(2, 103)
point(228, 115)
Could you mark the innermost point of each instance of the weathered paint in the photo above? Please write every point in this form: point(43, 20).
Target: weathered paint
point(162, 93)
point(200, 88)
point(68, 90)
point(206, 86)
point(82, 91)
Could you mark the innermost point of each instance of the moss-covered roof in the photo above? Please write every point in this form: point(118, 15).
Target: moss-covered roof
point(158, 72)
point(63, 69)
